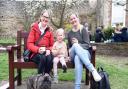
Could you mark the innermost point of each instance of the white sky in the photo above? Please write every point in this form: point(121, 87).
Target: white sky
point(118, 13)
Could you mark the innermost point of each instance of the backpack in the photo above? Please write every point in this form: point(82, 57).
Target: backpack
point(39, 81)
point(104, 83)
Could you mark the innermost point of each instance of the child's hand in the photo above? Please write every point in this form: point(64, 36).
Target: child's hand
point(47, 52)
point(55, 52)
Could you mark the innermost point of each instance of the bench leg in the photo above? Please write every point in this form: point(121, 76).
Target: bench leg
point(91, 78)
point(87, 77)
point(19, 79)
point(11, 78)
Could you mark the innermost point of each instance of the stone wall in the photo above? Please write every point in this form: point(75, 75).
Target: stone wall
point(115, 49)
point(11, 16)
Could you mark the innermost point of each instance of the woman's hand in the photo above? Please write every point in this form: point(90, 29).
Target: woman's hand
point(74, 40)
point(47, 52)
point(41, 50)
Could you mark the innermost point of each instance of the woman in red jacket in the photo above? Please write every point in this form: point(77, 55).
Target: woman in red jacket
point(42, 51)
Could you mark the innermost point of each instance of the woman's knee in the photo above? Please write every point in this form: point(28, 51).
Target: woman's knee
point(36, 58)
point(75, 45)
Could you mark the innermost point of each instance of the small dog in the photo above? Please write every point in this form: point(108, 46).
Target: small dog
point(39, 82)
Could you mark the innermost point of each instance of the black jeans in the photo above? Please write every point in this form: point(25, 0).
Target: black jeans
point(44, 63)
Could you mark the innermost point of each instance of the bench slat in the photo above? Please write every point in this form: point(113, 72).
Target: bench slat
point(24, 65)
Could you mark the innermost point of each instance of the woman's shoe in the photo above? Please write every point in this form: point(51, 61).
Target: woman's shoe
point(96, 76)
point(55, 80)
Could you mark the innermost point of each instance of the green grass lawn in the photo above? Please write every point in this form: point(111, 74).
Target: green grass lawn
point(7, 40)
point(117, 68)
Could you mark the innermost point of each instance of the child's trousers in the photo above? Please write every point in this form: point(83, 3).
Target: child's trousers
point(55, 62)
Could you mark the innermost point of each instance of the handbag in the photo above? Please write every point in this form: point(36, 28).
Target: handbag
point(103, 83)
point(27, 53)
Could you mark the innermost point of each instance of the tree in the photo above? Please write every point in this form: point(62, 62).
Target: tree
point(32, 11)
point(59, 10)
point(126, 17)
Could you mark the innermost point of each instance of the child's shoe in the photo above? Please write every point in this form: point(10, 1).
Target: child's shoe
point(96, 76)
point(64, 68)
point(55, 80)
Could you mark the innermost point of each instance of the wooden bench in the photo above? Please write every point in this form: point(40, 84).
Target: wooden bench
point(16, 61)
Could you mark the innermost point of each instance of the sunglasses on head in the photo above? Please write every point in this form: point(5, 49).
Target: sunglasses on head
point(44, 20)
point(45, 16)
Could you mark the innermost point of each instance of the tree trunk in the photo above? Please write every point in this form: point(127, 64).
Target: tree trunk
point(126, 18)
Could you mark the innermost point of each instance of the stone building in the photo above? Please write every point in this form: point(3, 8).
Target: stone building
point(11, 16)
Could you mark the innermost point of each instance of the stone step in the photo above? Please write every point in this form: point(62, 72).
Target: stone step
point(60, 85)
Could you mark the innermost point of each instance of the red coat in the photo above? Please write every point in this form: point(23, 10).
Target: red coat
point(35, 33)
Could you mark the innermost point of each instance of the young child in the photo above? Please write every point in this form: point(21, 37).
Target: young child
point(59, 51)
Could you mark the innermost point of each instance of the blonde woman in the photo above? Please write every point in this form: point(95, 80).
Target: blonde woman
point(78, 41)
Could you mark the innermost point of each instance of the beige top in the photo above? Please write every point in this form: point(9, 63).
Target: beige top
point(60, 49)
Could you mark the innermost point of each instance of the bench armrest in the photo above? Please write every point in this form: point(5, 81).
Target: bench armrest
point(93, 48)
point(3, 49)
point(93, 60)
point(11, 49)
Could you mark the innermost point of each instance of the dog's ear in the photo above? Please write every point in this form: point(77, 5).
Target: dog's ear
point(30, 82)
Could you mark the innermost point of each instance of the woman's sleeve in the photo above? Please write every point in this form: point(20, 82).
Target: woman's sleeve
point(31, 41)
point(85, 39)
point(85, 36)
point(69, 42)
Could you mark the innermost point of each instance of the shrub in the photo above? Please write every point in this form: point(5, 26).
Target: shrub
point(92, 38)
point(68, 27)
point(108, 32)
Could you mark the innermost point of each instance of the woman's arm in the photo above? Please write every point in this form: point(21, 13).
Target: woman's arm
point(69, 42)
point(85, 39)
point(31, 41)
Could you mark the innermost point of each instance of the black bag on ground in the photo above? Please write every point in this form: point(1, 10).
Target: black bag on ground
point(104, 83)
point(39, 81)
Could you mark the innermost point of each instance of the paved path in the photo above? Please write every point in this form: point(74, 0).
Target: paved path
point(60, 85)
